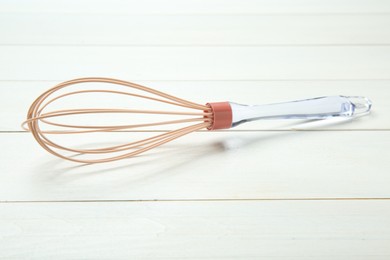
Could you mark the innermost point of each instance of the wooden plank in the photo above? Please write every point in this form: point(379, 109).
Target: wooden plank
point(206, 165)
point(199, 30)
point(17, 96)
point(195, 63)
point(197, 230)
point(241, 194)
point(198, 6)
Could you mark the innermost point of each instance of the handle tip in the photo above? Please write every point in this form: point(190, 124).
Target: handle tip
point(362, 105)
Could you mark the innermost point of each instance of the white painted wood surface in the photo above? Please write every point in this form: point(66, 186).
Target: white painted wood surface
point(196, 230)
point(184, 30)
point(198, 7)
point(266, 190)
point(195, 63)
point(232, 165)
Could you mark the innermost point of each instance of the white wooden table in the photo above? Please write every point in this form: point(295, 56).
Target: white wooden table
point(266, 190)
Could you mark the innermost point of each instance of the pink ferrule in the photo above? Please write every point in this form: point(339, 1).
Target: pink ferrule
point(222, 115)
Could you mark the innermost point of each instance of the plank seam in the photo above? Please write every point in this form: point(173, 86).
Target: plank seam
point(233, 131)
point(209, 80)
point(196, 200)
point(202, 45)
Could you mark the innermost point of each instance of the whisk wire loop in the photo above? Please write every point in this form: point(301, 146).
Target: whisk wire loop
point(40, 122)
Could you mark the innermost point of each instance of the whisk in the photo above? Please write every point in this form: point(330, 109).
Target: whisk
point(55, 127)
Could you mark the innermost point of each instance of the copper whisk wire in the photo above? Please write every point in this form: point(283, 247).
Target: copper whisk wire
point(200, 117)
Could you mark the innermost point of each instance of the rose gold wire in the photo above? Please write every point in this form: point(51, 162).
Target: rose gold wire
point(36, 115)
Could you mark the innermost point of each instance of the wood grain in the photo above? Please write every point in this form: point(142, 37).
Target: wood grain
point(197, 230)
point(250, 193)
point(192, 30)
point(207, 165)
point(299, 7)
point(195, 63)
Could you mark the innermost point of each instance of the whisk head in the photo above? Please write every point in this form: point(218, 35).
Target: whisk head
point(89, 120)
